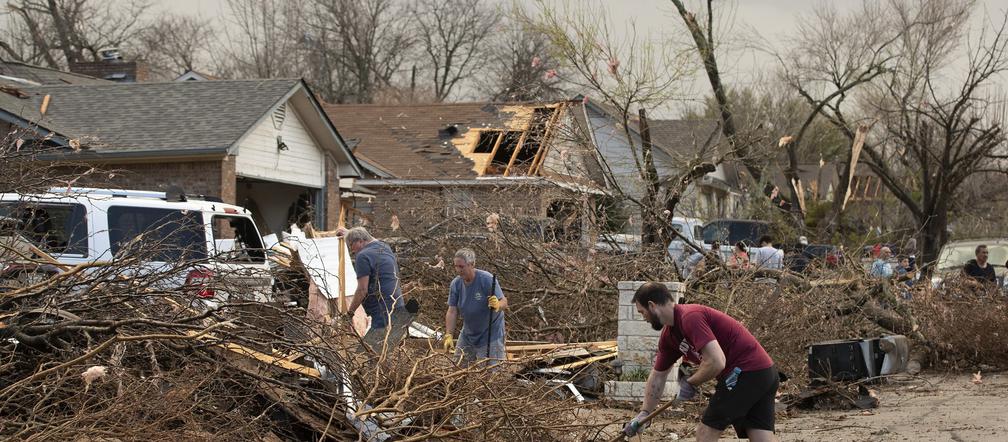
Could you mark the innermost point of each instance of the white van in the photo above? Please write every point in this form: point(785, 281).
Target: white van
point(692, 229)
point(217, 244)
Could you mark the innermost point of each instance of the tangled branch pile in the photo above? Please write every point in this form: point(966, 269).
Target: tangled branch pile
point(86, 356)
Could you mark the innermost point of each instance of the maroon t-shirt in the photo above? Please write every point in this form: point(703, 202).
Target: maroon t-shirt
point(695, 327)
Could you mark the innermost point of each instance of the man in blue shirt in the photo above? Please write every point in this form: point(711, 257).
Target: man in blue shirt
point(477, 295)
point(379, 290)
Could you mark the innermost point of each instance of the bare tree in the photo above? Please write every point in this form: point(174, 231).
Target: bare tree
point(69, 31)
point(174, 44)
point(705, 45)
point(936, 128)
point(834, 57)
point(263, 44)
point(519, 65)
point(360, 47)
point(452, 36)
point(627, 76)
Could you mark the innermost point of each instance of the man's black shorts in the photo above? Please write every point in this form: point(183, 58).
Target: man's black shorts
point(749, 405)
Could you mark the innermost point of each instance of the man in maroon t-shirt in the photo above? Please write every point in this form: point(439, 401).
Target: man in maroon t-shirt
point(747, 379)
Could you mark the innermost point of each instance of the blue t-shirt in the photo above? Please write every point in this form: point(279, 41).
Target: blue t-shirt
point(471, 300)
point(378, 263)
point(881, 269)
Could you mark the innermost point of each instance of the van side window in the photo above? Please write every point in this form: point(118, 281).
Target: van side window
point(165, 235)
point(697, 232)
point(54, 228)
point(236, 240)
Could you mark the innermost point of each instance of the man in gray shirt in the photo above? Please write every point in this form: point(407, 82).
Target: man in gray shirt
point(379, 290)
point(477, 295)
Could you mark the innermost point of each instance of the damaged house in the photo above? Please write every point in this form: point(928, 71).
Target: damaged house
point(428, 164)
point(262, 144)
point(678, 144)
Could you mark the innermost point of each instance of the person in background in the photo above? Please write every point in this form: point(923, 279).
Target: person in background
point(880, 267)
point(910, 250)
point(905, 272)
point(694, 264)
point(767, 256)
point(980, 272)
point(739, 258)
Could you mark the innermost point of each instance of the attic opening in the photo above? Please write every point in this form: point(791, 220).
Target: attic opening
point(501, 159)
point(486, 142)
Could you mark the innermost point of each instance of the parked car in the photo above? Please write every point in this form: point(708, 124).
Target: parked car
point(631, 242)
point(728, 232)
point(217, 244)
point(954, 255)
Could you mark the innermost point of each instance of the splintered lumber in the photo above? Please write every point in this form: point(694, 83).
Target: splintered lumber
point(584, 362)
point(47, 257)
point(582, 353)
point(269, 360)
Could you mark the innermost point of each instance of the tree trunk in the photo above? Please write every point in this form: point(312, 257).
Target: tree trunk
point(791, 174)
point(650, 223)
point(934, 231)
point(706, 52)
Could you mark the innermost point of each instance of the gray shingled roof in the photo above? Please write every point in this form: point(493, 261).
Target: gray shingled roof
point(183, 117)
point(42, 75)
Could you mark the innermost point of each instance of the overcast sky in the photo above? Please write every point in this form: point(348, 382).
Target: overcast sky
point(770, 22)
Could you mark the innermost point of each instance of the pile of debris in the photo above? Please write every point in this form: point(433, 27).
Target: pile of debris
point(96, 353)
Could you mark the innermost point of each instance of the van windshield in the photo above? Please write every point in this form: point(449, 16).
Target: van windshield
point(162, 235)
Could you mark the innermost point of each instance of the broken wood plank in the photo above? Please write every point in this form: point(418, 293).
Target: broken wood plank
point(493, 151)
point(540, 156)
point(520, 145)
point(584, 362)
point(47, 257)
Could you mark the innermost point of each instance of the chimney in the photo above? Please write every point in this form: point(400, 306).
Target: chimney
point(112, 67)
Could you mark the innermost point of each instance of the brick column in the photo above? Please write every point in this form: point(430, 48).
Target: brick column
point(636, 340)
point(332, 196)
point(228, 180)
point(638, 343)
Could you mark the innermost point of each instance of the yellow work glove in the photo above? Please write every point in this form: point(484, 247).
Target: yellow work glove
point(449, 343)
point(493, 303)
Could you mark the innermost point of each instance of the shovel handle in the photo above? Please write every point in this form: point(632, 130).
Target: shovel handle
point(619, 437)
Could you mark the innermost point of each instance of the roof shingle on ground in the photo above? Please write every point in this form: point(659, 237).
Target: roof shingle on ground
point(414, 141)
point(172, 116)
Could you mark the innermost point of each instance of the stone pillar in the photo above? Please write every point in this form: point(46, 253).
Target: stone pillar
point(637, 343)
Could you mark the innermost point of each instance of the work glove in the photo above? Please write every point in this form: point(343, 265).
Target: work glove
point(493, 303)
point(449, 343)
point(635, 427)
point(686, 391)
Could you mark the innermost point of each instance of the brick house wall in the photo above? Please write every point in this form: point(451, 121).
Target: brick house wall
point(211, 177)
point(207, 177)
